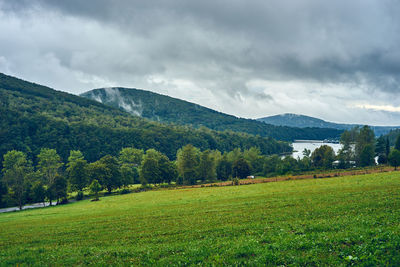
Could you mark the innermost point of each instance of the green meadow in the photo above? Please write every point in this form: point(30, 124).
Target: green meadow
point(353, 220)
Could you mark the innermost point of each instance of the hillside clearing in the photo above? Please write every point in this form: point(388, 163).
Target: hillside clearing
point(354, 219)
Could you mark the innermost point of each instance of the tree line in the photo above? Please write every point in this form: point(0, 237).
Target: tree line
point(49, 178)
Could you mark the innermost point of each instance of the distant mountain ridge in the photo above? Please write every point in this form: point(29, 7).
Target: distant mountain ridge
point(167, 109)
point(302, 121)
point(34, 116)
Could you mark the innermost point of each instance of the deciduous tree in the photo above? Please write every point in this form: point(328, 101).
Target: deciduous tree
point(187, 162)
point(323, 156)
point(77, 170)
point(16, 170)
point(241, 168)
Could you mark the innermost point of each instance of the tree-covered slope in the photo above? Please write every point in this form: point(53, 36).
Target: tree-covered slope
point(167, 109)
point(33, 116)
point(302, 121)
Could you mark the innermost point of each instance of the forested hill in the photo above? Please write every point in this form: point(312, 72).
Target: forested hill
point(34, 117)
point(163, 108)
point(302, 121)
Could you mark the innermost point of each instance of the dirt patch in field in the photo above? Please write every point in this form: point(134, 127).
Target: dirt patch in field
point(331, 174)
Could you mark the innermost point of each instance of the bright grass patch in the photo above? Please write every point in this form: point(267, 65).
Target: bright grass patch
point(339, 221)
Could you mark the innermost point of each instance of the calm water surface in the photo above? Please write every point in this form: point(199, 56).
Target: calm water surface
point(298, 147)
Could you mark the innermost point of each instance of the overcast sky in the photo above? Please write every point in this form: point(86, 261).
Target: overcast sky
point(336, 60)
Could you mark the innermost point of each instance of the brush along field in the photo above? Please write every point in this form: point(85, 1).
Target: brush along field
point(338, 221)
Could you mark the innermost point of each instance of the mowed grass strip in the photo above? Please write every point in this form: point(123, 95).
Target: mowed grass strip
point(339, 221)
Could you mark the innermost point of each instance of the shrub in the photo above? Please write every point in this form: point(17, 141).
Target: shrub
point(235, 181)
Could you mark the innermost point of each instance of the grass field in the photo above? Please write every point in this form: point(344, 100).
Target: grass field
point(338, 221)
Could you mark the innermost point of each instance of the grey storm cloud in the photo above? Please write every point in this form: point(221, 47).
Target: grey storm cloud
point(235, 51)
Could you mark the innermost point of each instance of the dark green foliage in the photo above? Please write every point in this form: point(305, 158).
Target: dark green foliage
point(207, 168)
point(256, 160)
point(287, 165)
point(3, 193)
point(270, 164)
point(367, 156)
point(381, 149)
point(16, 173)
point(77, 173)
point(149, 172)
point(131, 156)
point(387, 146)
point(397, 144)
point(50, 194)
point(95, 188)
point(80, 195)
point(33, 117)
point(129, 159)
point(240, 168)
point(156, 168)
point(39, 192)
point(323, 157)
point(394, 158)
point(365, 147)
point(169, 172)
point(305, 164)
point(159, 108)
point(129, 175)
point(97, 171)
point(60, 189)
point(188, 159)
point(392, 136)
point(111, 179)
point(382, 159)
point(224, 169)
point(359, 147)
point(28, 192)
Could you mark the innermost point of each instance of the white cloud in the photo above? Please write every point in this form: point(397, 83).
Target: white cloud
point(388, 108)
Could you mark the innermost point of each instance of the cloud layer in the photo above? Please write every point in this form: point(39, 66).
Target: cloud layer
point(336, 60)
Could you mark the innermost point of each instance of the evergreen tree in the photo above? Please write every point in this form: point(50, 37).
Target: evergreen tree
point(367, 156)
point(397, 143)
point(387, 147)
point(394, 158)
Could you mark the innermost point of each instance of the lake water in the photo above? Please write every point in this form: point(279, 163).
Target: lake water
point(29, 206)
point(298, 147)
